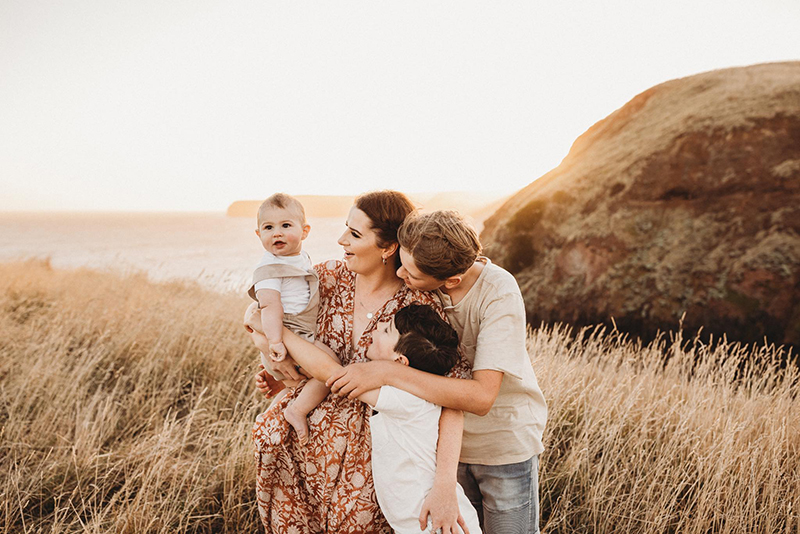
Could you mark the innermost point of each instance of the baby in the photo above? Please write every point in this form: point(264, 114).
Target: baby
point(285, 288)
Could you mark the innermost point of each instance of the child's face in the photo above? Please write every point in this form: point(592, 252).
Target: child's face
point(413, 277)
point(281, 232)
point(384, 339)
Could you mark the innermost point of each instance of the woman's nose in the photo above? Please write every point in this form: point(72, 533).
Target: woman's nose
point(341, 241)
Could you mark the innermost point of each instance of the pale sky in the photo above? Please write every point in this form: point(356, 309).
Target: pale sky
point(189, 105)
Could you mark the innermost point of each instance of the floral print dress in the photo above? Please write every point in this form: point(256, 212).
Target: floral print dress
point(327, 485)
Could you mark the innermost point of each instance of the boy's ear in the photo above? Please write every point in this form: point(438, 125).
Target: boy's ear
point(306, 229)
point(453, 281)
point(401, 358)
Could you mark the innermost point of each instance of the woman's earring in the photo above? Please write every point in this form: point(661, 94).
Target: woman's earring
point(384, 259)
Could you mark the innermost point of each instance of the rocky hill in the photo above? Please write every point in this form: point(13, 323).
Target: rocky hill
point(684, 201)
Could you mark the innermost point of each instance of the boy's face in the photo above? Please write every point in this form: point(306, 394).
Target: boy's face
point(413, 277)
point(384, 339)
point(281, 232)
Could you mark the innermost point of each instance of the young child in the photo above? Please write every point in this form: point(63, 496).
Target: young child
point(404, 428)
point(498, 468)
point(286, 291)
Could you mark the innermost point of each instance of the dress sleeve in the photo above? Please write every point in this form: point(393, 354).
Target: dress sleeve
point(327, 275)
point(462, 369)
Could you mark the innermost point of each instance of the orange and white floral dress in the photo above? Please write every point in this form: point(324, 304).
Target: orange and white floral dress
point(327, 486)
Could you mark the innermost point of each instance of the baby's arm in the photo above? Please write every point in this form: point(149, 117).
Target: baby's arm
point(317, 362)
point(269, 301)
point(252, 323)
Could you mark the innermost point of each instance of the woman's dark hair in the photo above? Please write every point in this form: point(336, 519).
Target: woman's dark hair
point(429, 343)
point(387, 210)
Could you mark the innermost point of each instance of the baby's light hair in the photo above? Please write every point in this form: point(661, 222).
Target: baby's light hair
point(282, 201)
point(442, 243)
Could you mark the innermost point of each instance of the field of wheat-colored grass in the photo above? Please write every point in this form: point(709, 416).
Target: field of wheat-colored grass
point(126, 406)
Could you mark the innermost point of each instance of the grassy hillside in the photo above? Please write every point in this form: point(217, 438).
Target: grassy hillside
point(126, 406)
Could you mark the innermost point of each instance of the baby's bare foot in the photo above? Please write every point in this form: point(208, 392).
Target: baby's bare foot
point(298, 422)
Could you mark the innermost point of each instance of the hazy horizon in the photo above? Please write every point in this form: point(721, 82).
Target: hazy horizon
point(494, 195)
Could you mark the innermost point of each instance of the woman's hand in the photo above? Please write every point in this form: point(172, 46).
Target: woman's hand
point(442, 505)
point(288, 367)
point(266, 383)
point(357, 378)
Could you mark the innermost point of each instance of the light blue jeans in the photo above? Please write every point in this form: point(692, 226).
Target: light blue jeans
point(505, 496)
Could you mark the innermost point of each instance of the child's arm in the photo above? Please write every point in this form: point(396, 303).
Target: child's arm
point(476, 395)
point(502, 326)
point(318, 363)
point(442, 501)
point(269, 302)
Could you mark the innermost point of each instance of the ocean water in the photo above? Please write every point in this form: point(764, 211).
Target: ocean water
point(216, 250)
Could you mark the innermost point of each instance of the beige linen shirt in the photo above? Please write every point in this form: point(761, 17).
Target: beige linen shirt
point(490, 321)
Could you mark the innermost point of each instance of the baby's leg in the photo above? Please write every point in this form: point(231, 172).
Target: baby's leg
point(312, 394)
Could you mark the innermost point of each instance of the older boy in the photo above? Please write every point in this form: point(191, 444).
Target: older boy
point(507, 412)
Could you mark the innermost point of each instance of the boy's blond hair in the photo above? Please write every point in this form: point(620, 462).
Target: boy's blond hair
point(282, 201)
point(442, 243)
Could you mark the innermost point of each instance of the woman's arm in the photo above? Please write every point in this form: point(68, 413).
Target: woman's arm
point(442, 501)
point(318, 363)
point(476, 395)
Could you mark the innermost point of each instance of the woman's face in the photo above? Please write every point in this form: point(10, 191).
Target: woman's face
point(361, 251)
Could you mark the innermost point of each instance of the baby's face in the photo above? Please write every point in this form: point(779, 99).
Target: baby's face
point(281, 232)
point(384, 339)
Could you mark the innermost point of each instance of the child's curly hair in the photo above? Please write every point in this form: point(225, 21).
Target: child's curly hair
point(429, 343)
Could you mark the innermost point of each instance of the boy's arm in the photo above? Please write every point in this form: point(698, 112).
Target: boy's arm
point(318, 364)
point(269, 302)
point(502, 326)
point(442, 501)
point(476, 395)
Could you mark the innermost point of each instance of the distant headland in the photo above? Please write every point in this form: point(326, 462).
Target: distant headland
point(477, 205)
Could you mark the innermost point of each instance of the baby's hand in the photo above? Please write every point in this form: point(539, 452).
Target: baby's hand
point(277, 352)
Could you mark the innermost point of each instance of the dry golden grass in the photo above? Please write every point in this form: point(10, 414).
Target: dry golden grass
point(699, 444)
point(126, 406)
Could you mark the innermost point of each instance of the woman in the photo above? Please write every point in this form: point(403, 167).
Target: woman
point(326, 485)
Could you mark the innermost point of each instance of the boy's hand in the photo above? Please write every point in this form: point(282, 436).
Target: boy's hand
point(358, 378)
point(277, 352)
